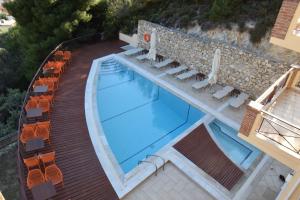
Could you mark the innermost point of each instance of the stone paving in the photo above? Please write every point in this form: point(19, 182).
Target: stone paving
point(170, 184)
point(173, 184)
point(269, 185)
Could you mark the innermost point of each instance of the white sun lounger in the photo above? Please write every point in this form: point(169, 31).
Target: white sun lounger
point(131, 52)
point(176, 70)
point(188, 74)
point(223, 92)
point(239, 100)
point(142, 57)
point(200, 84)
point(163, 63)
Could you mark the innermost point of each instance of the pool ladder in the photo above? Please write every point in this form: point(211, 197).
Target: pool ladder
point(156, 168)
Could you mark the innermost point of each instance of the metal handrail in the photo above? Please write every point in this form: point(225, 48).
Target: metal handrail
point(280, 119)
point(145, 161)
point(284, 136)
point(153, 155)
point(20, 122)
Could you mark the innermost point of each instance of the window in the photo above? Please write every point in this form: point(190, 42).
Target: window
point(296, 31)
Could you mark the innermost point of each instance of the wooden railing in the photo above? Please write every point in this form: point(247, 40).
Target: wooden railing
point(65, 45)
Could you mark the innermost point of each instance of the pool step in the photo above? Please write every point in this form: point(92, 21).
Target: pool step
point(110, 65)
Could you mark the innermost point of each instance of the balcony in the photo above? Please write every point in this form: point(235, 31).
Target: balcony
point(272, 122)
point(286, 31)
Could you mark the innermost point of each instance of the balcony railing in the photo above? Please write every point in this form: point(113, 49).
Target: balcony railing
point(260, 117)
point(280, 131)
point(65, 45)
point(275, 90)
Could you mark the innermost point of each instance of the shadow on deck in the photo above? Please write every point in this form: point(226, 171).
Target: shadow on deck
point(200, 148)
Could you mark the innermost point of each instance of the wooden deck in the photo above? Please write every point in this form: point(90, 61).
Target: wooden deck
point(84, 177)
point(200, 148)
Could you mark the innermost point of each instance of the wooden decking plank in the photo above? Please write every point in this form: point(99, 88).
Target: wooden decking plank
point(84, 177)
point(200, 148)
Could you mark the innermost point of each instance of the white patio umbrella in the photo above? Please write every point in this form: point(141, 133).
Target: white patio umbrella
point(152, 51)
point(213, 76)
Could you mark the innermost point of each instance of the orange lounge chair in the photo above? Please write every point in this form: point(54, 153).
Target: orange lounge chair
point(48, 97)
point(44, 104)
point(38, 83)
point(52, 172)
point(64, 55)
point(57, 66)
point(28, 133)
point(29, 126)
point(31, 104)
point(52, 84)
point(43, 130)
point(53, 80)
point(35, 176)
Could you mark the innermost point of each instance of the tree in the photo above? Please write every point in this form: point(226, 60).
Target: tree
point(11, 75)
point(44, 24)
point(221, 9)
point(10, 111)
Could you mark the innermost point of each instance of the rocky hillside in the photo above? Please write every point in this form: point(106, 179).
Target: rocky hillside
point(243, 40)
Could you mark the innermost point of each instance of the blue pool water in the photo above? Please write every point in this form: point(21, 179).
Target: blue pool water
point(239, 151)
point(137, 116)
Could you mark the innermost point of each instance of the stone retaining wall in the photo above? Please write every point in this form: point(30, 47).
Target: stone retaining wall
point(241, 69)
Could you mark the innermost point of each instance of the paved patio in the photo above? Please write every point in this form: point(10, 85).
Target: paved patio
point(168, 184)
point(268, 185)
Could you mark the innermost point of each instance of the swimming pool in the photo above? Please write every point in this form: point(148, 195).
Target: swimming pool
point(240, 152)
point(138, 117)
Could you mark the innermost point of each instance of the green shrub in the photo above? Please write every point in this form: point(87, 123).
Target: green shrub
point(221, 9)
point(3, 16)
point(10, 106)
point(184, 21)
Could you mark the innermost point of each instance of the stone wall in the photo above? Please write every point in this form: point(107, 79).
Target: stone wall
point(241, 69)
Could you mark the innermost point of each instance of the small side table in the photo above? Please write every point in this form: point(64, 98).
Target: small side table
point(34, 112)
point(40, 89)
point(34, 144)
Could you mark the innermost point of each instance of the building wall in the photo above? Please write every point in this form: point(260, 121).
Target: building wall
point(284, 18)
point(290, 41)
point(239, 68)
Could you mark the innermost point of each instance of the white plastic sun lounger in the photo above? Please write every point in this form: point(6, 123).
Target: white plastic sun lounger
point(142, 57)
point(188, 74)
point(200, 84)
point(223, 92)
point(131, 52)
point(163, 63)
point(176, 70)
point(239, 100)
